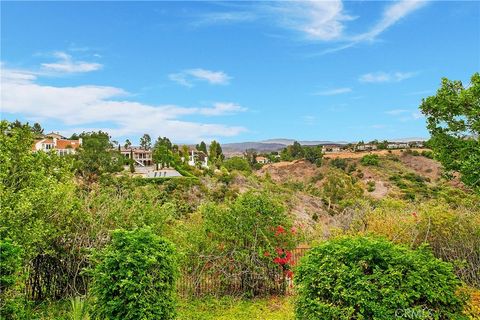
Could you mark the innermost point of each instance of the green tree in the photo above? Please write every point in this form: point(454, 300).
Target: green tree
point(237, 163)
point(202, 147)
point(163, 153)
point(134, 277)
point(372, 278)
point(215, 153)
point(127, 144)
point(370, 160)
point(37, 129)
point(97, 156)
point(146, 142)
point(313, 154)
point(453, 120)
point(339, 186)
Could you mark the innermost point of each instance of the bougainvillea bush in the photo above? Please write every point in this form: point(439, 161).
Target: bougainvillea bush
point(134, 277)
point(372, 278)
point(248, 242)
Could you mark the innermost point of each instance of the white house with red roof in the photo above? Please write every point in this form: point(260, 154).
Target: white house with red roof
point(61, 146)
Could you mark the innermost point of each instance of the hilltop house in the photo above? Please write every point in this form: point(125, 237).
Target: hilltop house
point(61, 145)
point(196, 156)
point(365, 147)
point(141, 157)
point(328, 148)
point(398, 145)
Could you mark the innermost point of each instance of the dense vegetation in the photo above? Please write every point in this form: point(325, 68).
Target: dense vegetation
point(453, 117)
point(370, 278)
point(76, 228)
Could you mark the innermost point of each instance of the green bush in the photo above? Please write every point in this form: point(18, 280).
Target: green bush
point(11, 302)
point(339, 163)
point(370, 160)
point(134, 277)
point(237, 163)
point(372, 278)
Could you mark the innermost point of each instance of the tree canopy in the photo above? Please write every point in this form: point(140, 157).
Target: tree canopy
point(453, 119)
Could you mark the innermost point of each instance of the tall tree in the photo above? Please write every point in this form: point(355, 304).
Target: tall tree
point(37, 128)
point(162, 153)
point(215, 152)
point(453, 119)
point(97, 156)
point(202, 147)
point(127, 144)
point(146, 142)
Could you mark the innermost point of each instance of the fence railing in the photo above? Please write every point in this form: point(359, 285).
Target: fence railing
point(252, 282)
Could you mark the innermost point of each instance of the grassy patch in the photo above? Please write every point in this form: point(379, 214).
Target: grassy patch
point(226, 308)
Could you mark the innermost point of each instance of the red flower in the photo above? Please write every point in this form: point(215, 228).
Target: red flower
point(279, 231)
point(266, 254)
point(293, 230)
point(279, 251)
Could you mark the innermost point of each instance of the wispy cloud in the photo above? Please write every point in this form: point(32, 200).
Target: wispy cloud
point(324, 21)
point(391, 15)
point(82, 107)
point(376, 77)
point(215, 18)
point(332, 92)
point(66, 64)
point(405, 114)
point(317, 20)
point(188, 77)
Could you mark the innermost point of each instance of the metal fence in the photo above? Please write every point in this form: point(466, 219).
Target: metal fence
point(259, 281)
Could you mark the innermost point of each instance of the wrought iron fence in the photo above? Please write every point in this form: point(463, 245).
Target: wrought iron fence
point(251, 282)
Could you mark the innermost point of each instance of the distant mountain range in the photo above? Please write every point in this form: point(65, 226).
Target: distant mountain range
point(278, 144)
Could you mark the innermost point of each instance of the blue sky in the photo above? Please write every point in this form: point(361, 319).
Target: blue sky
point(236, 71)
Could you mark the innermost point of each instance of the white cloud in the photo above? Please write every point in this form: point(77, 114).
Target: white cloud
point(390, 16)
point(224, 18)
point(82, 107)
point(66, 64)
point(376, 77)
point(405, 114)
point(187, 77)
point(318, 20)
point(333, 92)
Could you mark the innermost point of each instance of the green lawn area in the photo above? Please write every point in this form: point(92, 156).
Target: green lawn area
point(273, 308)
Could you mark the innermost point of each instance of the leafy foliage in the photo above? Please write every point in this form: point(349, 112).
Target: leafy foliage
point(96, 156)
point(370, 160)
point(453, 117)
point(371, 278)
point(237, 163)
point(134, 277)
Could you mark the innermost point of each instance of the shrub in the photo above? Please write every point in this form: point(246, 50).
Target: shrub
point(10, 267)
point(134, 277)
point(237, 163)
point(372, 278)
point(370, 160)
point(427, 154)
point(339, 163)
point(371, 186)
